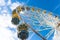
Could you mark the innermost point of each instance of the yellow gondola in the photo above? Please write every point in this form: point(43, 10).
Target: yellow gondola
point(15, 14)
point(15, 17)
point(32, 9)
point(44, 12)
point(23, 31)
point(19, 9)
point(22, 27)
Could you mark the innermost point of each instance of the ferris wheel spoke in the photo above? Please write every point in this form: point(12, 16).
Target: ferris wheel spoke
point(45, 29)
point(41, 29)
point(49, 34)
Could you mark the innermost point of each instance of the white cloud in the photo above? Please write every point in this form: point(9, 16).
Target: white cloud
point(14, 5)
point(5, 21)
point(6, 34)
point(2, 3)
point(9, 2)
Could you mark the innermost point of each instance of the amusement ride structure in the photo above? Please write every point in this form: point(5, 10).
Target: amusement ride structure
point(29, 18)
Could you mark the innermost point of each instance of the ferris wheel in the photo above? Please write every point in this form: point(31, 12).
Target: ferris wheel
point(32, 19)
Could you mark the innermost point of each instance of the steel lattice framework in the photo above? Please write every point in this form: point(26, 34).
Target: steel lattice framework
point(37, 18)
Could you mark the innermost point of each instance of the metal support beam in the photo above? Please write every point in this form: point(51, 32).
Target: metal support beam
point(36, 33)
